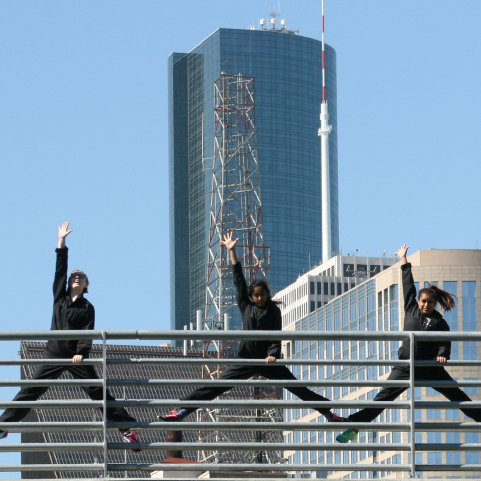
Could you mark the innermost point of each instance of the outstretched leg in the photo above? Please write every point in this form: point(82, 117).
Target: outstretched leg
point(452, 393)
point(207, 393)
point(115, 414)
point(43, 371)
point(273, 371)
point(386, 394)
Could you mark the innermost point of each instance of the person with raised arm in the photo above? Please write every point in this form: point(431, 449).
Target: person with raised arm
point(259, 312)
point(71, 311)
point(419, 315)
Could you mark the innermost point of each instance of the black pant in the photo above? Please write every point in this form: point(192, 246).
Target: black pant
point(45, 371)
point(437, 373)
point(270, 371)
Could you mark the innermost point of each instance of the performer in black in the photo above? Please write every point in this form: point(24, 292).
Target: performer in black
point(259, 312)
point(419, 315)
point(71, 311)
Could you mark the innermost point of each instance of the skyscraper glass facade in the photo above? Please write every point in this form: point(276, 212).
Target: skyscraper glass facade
point(287, 72)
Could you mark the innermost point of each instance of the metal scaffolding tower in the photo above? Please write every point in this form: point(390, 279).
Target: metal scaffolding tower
point(235, 195)
point(235, 206)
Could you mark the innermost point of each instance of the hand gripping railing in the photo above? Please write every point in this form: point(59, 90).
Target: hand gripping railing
point(412, 427)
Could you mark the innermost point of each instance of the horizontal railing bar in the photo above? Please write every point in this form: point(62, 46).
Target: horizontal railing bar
point(52, 382)
point(239, 467)
point(204, 382)
point(206, 426)
point(227, 403)
point(269, 383)
point(233, 383)
point(184, 446)
point(447, 404)
point(239, 426)
point(227, 362)
point(39, 447)
point(175, 479)
point(243, 362)
point(449, 447)
point(237, 335)
point(56, 362)
point(207, 335)
point(447, 467)
point(207, 467)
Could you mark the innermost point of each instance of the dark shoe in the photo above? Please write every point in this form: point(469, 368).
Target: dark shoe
point(173, 416)
point(132, 437)
point(337, 419)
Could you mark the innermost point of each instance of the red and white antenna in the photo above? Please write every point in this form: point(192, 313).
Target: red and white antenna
point(323, 59)
point(323, 132)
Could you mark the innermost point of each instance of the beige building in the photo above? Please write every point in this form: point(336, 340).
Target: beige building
point(376, 304)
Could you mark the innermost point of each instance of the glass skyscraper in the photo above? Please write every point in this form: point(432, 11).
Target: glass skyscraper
point(287, 72)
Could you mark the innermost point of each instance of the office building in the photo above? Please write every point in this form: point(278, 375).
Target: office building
point(286, 68)
point(377, 305)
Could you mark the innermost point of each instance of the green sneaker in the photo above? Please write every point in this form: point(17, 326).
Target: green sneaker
point(347, 436)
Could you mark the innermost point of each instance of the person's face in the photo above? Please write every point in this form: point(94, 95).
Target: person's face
point(426, 304)
point(259, 296)
point(78, 281)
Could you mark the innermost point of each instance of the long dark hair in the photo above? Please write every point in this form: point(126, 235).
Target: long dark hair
point(265, 286)
point(445, 299)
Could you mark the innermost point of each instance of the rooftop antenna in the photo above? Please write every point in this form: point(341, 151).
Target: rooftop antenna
point(323, 132)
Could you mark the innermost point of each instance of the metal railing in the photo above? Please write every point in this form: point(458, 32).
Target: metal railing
point(411, 427)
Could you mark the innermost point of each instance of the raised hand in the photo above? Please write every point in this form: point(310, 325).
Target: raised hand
point(403, 250)
point(63, 232)
point(228, 242)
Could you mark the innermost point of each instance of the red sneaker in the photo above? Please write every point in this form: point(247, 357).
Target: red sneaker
point(337, 419)
point(133, 437)
point(173, 416)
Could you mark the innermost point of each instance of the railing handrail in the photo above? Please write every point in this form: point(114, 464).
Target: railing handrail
point(230, 335)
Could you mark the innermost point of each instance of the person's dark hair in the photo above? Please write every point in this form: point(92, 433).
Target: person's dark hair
point(265, 286)
point(86, 278)
point(445, 299)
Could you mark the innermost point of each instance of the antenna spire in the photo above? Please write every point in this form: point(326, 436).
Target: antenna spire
point(323, 132)
point(323, 59)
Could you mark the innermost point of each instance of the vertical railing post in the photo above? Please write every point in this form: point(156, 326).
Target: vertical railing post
point(104, 393)
point(413, 399)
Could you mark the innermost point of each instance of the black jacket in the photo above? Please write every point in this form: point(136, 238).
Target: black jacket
point(68, 315)
point(414, 319)
point(254, 319)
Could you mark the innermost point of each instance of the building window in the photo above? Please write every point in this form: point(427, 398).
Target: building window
point(469, 306)
point(452, 315)
point(435, 458)
point(313, 288)
point(471, 390)
point(472, 457)
point(393, 307)
point(470, 351)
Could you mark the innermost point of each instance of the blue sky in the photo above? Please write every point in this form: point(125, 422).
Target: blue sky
point(83, 137)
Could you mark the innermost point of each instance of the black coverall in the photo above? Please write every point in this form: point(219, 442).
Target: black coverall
point(67, 315)
point(414, 320)
point(255, 319)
